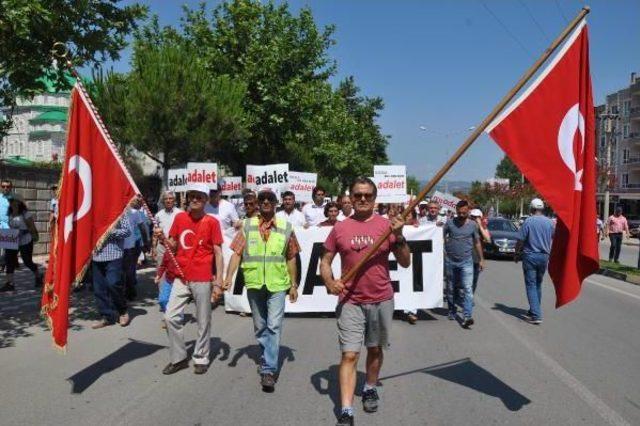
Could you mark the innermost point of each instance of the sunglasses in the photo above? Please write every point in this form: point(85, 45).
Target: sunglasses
point(367, 196)
point(5, 186)
point(197, 196)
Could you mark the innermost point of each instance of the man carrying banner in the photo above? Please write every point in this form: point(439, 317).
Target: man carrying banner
point(196, 238)
point(267, 247)
point(365, 307)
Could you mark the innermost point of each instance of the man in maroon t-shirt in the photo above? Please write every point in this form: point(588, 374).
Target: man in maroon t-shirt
point(196, 239)
point(365, 307)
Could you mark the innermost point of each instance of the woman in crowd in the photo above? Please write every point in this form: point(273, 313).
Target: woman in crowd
point(331, 211)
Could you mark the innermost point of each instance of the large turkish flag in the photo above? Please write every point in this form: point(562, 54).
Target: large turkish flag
point(549, 133)
point(94, 192)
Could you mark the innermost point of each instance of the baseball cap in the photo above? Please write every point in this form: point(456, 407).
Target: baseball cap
point(423, 203)
point(537, 203)
point(476, 212)
point(198, 187)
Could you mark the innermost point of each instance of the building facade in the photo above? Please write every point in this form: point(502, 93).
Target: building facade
point(618, 142)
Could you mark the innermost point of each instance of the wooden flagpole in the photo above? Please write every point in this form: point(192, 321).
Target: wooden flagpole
point(472, 138)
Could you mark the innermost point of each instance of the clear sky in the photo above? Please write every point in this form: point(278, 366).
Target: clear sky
point(444, 65)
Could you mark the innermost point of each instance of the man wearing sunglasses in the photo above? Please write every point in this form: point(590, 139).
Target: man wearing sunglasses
point(365, 304)
point(5, 196)
point(196, 239)
point(267, 248)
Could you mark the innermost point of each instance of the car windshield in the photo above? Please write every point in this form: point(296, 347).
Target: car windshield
point(501, 225)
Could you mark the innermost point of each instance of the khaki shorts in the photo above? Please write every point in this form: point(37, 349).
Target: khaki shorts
point(364, 323)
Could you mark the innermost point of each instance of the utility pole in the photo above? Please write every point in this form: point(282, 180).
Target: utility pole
point(522, 197)
point(608, 130)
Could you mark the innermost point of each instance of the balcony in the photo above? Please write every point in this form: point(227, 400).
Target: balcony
point(633, 137)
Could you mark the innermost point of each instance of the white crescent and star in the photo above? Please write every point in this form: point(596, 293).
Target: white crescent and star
point(83, 169)
point(572, 122)
point(183, 237)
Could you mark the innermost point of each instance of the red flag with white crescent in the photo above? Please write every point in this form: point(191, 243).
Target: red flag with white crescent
point(94, 192)
point(549, 133)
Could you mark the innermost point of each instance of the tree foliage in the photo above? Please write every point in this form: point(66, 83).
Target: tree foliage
point(94, 31)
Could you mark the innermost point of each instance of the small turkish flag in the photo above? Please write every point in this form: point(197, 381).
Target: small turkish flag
point(549, 133)
point(95, 190)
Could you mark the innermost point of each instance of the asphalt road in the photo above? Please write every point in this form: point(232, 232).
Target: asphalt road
point(580, 367)
point(628, 252)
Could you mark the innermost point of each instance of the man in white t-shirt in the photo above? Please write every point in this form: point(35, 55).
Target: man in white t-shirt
point(346, 208)
point(314, 212)
point(222, 210)
point(289, 211)
point(164, 219)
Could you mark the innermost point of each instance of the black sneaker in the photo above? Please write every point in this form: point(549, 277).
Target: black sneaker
point(200, 368)
point(467, 323)
point(7, 287)
point(268, 382)
point(452, 316)
point(370, 400)
point(174, 368)
point(532, 320)
point(345, 419)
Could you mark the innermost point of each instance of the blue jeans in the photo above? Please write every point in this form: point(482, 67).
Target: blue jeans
point(476, 275)
point(268, 312)
point(108, 289)
point(164, 291)
point(534, 266)
point(460, 275)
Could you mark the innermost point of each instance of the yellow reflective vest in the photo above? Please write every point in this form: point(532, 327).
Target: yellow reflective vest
point(265, 263)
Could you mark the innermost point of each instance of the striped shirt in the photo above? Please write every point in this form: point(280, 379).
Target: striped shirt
point(112, 248)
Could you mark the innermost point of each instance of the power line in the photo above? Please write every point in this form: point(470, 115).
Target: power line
point(535, 21)
point(506, 29)
point(561, 12)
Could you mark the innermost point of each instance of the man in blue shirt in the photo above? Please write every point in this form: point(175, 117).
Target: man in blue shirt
point(133, 247)
point(5, 195)
point(536, 235)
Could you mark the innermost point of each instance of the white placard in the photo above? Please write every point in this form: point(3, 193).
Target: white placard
point(418, 287)
point(391, 182)
point(302, 184)
point(231, 185)
point(274, 177)
point(9, 239)
point(203, 173)
point(446, 200)
point(177, 180)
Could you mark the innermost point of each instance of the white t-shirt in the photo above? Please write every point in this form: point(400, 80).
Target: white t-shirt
point(342, 217)
point(165, 219)
point(295, 218)
point(313, 214)
point(225, 213)
point(18, 222)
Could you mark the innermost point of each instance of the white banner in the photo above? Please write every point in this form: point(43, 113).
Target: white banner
point(231, 185)
point(391, 182)
point(416, 287)
point(302, 184)
point(9, 239)
point(274, 177)
point(203, 173)
point(177, 180)
point(446, 200)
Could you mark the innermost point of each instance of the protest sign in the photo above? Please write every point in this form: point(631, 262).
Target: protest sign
point(9, 239)
point(274, 177)
point(446, 200)
point(231, 185)
point(203, 173)
point(417, 287)
point(302, 184)
point(391, 182)
point(177, 180)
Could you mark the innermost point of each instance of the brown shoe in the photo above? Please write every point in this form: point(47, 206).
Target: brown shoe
point(268, 382)
point(174, 368)
point(124, 320)
point(412, 319)
point(100, 324)
point(200, 368)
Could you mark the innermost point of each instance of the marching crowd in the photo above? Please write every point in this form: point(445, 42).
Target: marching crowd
point(186, 246)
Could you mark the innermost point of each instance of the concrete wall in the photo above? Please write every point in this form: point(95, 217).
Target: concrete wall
point(34, 184)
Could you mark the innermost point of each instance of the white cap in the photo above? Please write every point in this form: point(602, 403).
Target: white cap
point(537, 204)
point(198, 187)
point(423, 203)
point(476, 212)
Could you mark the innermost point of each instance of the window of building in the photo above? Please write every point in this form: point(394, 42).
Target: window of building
point(625, 131)
point(626, 106)
point(625, 154)
point(603, 141)
point(625, 179)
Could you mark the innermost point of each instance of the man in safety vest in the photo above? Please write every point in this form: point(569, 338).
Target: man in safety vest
point(267, 248)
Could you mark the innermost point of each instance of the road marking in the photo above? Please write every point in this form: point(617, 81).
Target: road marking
point(598, 405)
point(612, 288)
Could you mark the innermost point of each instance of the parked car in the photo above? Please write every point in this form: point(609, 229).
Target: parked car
point(634, 227)
point(504, 236)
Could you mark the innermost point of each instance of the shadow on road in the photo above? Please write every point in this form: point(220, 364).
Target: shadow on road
point(218, 347)
point(469, 374)
point(325, 382)
point(129, 352)
point(510, 310)
point(253, 352)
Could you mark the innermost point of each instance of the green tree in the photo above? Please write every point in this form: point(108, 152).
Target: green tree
point(94, 31)
point(413, 185)
point(507, 170)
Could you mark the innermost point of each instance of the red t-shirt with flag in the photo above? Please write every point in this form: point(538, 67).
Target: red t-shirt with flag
point(196, 238)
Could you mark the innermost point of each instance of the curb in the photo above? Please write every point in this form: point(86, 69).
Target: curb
point(632, 279)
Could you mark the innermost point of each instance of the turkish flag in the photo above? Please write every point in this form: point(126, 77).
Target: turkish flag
point(95, 189)
point(549, 133)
